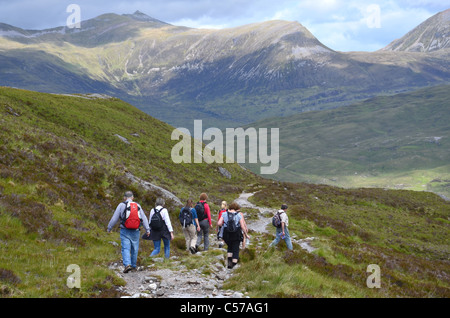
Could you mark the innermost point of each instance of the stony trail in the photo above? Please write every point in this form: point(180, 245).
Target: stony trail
point(265, 218)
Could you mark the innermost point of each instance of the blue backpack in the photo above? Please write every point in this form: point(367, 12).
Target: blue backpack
point(185, 217)
point(276, 220)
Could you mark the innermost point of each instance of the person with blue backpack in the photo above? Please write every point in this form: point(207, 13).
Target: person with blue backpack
point(232, 223)
point(189, 224)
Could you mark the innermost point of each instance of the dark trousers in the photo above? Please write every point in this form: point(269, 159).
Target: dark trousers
point(204, 233)
point(233, 247)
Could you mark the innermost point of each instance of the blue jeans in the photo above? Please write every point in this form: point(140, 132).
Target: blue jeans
point(278, 238)
point(130, 246)
point(158, 248)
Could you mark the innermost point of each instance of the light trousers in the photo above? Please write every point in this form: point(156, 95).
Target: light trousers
point(190, 234)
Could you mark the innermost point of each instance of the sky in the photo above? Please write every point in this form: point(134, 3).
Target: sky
point(342, 25)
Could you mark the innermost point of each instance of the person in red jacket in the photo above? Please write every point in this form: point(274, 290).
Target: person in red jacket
point(204, 219)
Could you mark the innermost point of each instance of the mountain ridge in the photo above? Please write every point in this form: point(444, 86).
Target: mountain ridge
point(266, 69)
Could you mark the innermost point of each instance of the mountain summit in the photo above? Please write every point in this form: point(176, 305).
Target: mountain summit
point(140, 16)
point(429, 36)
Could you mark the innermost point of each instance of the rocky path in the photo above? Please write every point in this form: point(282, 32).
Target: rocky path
point(180, 282)
point(177, 282)
point(265, 218)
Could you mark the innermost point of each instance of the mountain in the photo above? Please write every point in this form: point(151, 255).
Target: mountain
point(103, 29)
point(432, 35)
point(227, 77)
point(66, 160)
point(400, 141)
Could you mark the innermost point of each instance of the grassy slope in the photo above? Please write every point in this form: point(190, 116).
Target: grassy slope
point(62, 175)
point(406, 233)
point(382, 142)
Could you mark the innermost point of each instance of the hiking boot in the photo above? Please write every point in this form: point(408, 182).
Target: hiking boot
point(230, 263)
point(193, 250)
point(127, 269)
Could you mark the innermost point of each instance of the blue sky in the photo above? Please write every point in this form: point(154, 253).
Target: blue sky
point(350, 25)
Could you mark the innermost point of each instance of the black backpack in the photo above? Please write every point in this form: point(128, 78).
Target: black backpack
point(276, 220)
point(232, 227)
point(200, 208)
point(185, 217)
point(157, 222)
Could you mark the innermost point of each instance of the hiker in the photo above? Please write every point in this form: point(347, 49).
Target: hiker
point(282, 232)
point(223, 208)
point(189, 223)
point(160, 228)
point(204, 219)
point(232, 223)
point(131, 216)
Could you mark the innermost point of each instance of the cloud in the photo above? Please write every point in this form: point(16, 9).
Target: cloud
point(363, 25)
point(341, 25)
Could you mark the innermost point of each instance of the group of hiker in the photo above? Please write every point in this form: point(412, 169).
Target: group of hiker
point(196, 222)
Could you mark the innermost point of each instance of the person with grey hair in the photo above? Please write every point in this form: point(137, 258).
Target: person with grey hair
point(127, 212)
point(160, 228)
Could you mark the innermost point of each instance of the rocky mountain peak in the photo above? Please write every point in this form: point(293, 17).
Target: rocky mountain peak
point(429, 36)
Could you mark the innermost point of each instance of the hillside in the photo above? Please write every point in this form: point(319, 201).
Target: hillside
point(65, 162)
point(405, 233)
point(178, 74)
point(400, 142)
point(63, 170)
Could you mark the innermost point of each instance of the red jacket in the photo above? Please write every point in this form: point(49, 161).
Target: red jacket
point(220, 213)
point(208, 212)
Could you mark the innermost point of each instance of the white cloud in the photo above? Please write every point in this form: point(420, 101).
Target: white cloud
point(341, 25)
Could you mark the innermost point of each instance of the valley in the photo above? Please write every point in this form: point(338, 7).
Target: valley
point(397, 142)
point(364, 147)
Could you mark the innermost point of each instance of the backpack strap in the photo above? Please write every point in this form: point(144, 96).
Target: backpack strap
point(159, 212)
point(123, 214)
